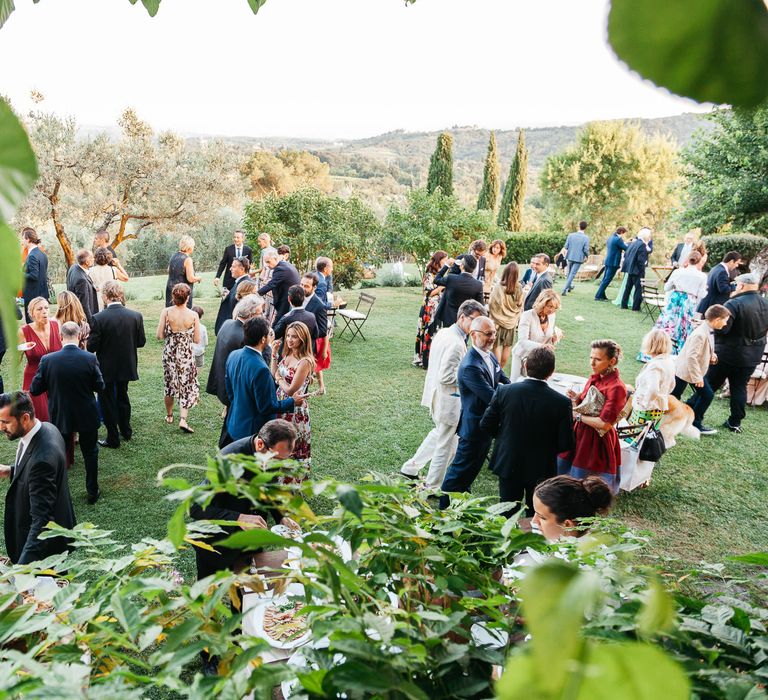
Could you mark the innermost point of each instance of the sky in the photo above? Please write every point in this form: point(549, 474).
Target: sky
point(332, 69)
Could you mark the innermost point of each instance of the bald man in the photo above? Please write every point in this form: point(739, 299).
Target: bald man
point(479, 375)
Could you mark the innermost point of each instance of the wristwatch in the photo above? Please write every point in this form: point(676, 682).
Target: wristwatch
point(578, 417)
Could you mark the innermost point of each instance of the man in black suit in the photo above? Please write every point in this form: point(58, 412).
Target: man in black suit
point(35, 269)
point(39, 490)
point(297, 313)
point(532, 423)
point(80, 284)
point(236, 250)
point(459, 285)
point(116, 334)
point(284, 275)
point(635, 262)
point(539, 281)
point(239, 273)
point(70, 376)
point(314, 304)
point(477, 251)
point(478, 376)
point(719, 285)
point(683, 250)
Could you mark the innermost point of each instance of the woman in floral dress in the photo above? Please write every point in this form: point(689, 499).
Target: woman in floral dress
point(293, 373)
point(179, 326)
point(425, 329)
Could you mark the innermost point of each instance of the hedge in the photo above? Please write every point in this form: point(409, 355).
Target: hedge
point(747, 244)
point(521, 246)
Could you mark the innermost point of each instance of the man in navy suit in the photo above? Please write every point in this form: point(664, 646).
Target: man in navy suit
point(71, 376)
point(313, 303)
point(613, 250)
point(719, 286)
point(250, 386)
point(284, 276)
point(478, 376)
point(35, 269)
point(635, 261)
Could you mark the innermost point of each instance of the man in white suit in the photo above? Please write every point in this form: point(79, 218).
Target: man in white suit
point(441, 397)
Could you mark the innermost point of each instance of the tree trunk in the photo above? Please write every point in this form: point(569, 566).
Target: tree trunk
point(61, 234)
point(120, 237)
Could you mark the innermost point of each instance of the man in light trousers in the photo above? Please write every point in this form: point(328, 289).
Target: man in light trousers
point(441, 397)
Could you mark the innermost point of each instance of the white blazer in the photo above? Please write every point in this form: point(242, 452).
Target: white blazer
point(441, 386)
point(529, 336)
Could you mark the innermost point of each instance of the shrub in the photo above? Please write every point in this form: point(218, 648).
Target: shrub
point(521, 246)
point(747, 244)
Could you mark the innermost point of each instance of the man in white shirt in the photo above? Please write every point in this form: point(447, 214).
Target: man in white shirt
point(441, 397)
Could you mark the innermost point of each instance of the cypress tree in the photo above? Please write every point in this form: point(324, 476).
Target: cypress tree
point(441, 166)
point(489, 193)
point(511, 211)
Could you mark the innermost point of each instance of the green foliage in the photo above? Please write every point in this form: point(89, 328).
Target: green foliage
point(434, 222)
point(489, 193)
point(441, 166)
point(725, 170)
point(726, 52)
point(747, 244)
point(613, 176)
point(313, 223)
point(511, 211)
point(521, 246)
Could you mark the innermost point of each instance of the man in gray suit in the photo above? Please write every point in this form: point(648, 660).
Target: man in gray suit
point(441, 397)
point(576, 251)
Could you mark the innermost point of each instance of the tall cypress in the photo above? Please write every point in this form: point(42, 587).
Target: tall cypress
point(441, 166)
point(511, 211)
point(489, 193)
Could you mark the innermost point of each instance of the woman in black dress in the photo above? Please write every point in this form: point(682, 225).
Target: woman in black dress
point(181, 270)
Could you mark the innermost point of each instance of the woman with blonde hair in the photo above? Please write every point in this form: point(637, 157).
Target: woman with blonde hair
point(293, 373)
point(246, 288)
point(504, 308)
point(36, 339)
point(497, 251)
point(69, 308)
point(537, 328)
point(181, 270)
point(179, 327)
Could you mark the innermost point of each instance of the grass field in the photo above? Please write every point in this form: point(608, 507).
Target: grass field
point(707, 499)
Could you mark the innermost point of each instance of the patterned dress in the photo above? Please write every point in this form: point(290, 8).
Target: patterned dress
point(179, 368)
point(300, 419)
point(677, 319)
point(425, 329)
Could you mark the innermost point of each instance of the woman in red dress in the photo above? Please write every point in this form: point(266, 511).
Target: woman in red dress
point(596, 454)
point(41, 337)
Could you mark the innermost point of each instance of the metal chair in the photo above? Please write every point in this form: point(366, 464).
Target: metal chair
point(354, 319)
point(653, 299)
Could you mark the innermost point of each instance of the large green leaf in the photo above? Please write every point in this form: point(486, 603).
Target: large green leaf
point(10, 282)
point(18, 167)
point(255, 5)
point(709, 50)
point(6, 7)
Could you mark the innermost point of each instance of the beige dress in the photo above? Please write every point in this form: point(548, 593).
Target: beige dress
point(504, 310)
point(492, 265)
point(100, 274)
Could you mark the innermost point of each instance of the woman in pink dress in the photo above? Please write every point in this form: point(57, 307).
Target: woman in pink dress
point(41, 337)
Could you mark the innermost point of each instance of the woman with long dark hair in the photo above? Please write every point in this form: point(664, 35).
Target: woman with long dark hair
point(426, 328)
point(504, 308)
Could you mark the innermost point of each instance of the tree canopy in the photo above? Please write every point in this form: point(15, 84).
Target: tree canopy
point(283, 172)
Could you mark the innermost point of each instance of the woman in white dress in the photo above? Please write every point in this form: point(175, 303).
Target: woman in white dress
point(537, 328)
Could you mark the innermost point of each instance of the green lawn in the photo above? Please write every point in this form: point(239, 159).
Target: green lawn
point(707, 499)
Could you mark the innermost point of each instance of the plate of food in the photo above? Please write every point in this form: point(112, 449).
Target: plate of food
point(290, 533)
point(278, 622)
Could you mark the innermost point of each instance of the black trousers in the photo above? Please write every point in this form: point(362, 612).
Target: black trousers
point(466, 465)
point(89, 447)
point(520, 490)
point(738, 378)
point(2, 386)
point(116, 407)
point(633, 282)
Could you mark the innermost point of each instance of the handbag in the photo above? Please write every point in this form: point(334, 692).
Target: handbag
point(653, 446)
point(593, 403)
point(634, 472)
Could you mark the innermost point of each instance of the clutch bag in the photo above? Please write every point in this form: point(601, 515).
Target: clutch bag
point(593, 403)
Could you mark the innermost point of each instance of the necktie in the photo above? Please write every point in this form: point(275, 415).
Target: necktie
point(19, 454)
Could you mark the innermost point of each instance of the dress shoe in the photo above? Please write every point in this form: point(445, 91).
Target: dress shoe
point(128, 437)
point(412, 477)
point(732, 428)
point(92, 498)
point(104, 443)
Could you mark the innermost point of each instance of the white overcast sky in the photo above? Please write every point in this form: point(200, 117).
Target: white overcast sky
point(324, 68)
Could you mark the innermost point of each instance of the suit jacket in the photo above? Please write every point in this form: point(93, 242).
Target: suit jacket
point(321, 291)
point(226, 262)
point(116, 334)
point(38, 494)
point(742, 342)
point(532, 423)
point(297, 315)
point(577, 247)
point(284, 275)
point(613, 250)
point(718, 288)
point(476, 387)
point(35, 275)
point(79, 282)
point(479, 273)
point(527, 277)
point(676, 253)
point(252, 394)
point(441, 385)
point(228, 303)
point(316, 306)
point(459, 286)
point(543, 282)
point(635, 258)
point(70, 376)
